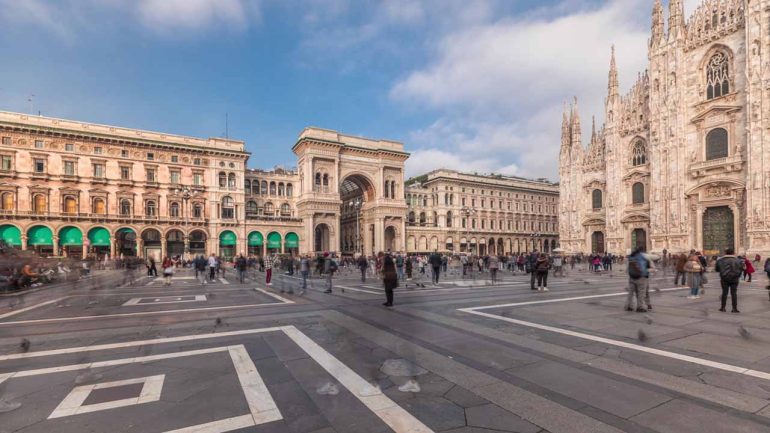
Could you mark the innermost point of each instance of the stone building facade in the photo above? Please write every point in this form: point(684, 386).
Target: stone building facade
point(682, 159)
point(481, 214)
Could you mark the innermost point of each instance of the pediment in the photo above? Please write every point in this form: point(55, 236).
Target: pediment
point(635, 218)
point(715, 111)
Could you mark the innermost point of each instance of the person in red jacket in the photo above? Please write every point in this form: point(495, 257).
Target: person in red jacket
point(748, 270)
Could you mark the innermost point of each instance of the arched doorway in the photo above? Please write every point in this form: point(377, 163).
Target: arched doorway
point(125, 242)
point(639, 239)
point(227, 243)
point(718, 230)
point(274, 243)
point(597, 242)
point(174, 243)
point(99, 242)
point(321, 238)
point(10, 235)
point(291, 244)
point(40, 239)
point(198, 243)
point(500, 247)
point(491, 246)
point(449, 244)
point(71, 241)
point(355, 192)
point(255, 243)
point(151, 244)
point(390, 239)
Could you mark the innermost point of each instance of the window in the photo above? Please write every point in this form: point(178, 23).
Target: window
point(151, 175)
point(263, 188)
point(639, 153)
point(281, 189)
point(176, 177)
point(449, 219)
point(38, 144)
point(268, 208)
point(228, 210)
point(97, 150)
point(150, 209)
point(247, 186)
point(716, 144)
point(125, 172)
point(717, 76)
point(98, 207)
point(7, 201)
point(69, 168)
point(99, 171)
point(70, 205)
point(637, 193)
point(39, 204)
point(231, 180)
point(272, 188)
point(173, 210)
point(150, 156)
point(222, 179)
point(6, 141)
point(285, 209)
point(197, 178)
point(197, 211)
point(289, 190)
point(125, 207)
point(39, 165)
point(251, 207)
point(69, 147)
point(196, 161)
point(124, 153)
point(174, 158)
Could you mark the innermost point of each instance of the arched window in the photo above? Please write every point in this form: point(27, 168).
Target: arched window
point(222, 179)
point(125, 207)
point(255, 187)
point(247, 186)
point(637, 193)
point(281, 189)
point(98, 207)
point(173, 209)
point(251, 207)
point(717, 76)
point(387, 188)
point(272, 188)
point(639, 153)
point(326, 181)
point(285, 209)
point(197, 211)
point(716, 144)
point(231, 180)
point(596, 199)
point(150, 209)
point(263, 187)
point(40, 204)
point(70, 205)
point(228, 208)
point(449, 219)
point(422, 218)
point(289, 190)
point(425, 200)
point(7, 201)
point(392, 189)
point(317, 185)
point(411, 217)
point(268, 208)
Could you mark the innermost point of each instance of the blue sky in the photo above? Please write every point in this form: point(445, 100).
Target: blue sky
point(465, 84)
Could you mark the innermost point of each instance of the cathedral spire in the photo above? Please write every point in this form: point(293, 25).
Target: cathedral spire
point(675, 19)
point(593, 129)
point(658, 24)
point(575, 126)
point(612, 86)
point(565, 129)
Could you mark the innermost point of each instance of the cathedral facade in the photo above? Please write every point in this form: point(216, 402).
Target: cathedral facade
point(683, 159)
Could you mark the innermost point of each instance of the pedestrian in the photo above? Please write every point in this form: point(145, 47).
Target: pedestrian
point(749, 269)
point(399, 266)
point(409, 266)
point(541, 270)
point(557, 265)
point(269, 270)
point(389, 279)
point(435, 264)
point(152, 271)
point(362, 265)
point(330, 267)
point(638, 280)
point(168, 271)
point(212, 267)
point(730, 269)
point(493, 267)
point(200, 268)
point(694, 269)
point(304, 269)
point(681, 260)
point(531, 269)
point(240, 265)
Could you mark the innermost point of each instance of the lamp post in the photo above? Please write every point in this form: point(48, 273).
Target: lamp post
point(467, 212)
point(357, 204)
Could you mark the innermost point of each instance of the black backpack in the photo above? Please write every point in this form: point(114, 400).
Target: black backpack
point(635, 270)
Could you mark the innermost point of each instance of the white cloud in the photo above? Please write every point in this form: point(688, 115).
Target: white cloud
point(170, 15)
point(498, 88)
point(34, 12)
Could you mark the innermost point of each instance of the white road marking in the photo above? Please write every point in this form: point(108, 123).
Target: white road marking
point(223, 425)
point(261, 404)
point(164, 300)
point(73, 403)
point(618, 343)
point(31, 307)
point(223, 281)
point(273, 295)
point(359, 290)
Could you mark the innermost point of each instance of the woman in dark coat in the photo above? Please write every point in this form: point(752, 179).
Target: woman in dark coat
point(389, 278)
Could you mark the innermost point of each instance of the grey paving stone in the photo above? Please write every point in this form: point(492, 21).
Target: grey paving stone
point(493, 417)
point(114, 393)
point(437, 413)
point(464, 398)
point(300, 415)
point(618, 398)
point(679, 416)
point(728, 347)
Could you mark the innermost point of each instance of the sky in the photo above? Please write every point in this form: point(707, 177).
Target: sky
point(471, 85)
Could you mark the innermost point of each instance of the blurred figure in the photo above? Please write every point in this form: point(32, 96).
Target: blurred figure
point(389, 279)
point(168, 271)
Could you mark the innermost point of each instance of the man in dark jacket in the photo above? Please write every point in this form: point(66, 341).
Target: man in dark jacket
point(532, 274)
point(435, 264)
point(730, 269)
point(362, 265)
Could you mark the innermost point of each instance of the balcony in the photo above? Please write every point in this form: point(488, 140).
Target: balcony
point(8, 173)
point(719, 166)
point(70, 178)
point(125, 182)
point(99, 180)
point(152, 184)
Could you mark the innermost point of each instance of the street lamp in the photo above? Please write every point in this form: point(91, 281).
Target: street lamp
point(357, 204)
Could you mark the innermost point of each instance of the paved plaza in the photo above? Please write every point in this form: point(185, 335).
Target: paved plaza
point(463, 356)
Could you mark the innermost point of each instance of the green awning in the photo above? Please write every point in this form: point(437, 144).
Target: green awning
point(227, 238)
point(70, 236)
point(99, 237)
point(10, 235)
point(39, 235)
point(256, 239)
point(292, 240)
point(274, 240)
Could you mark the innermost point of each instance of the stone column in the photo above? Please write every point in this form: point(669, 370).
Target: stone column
point(162, 247)
point(139, 247)
point(186, 247)
point(24, 242)
point(739, 248)
point(112, 247)
point(379, 235)
point(56, 250)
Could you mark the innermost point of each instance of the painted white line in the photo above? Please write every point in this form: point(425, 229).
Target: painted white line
point(550, 301)
point(360, 290)
point(223, 281)
point(261, 404)
point(223, 425)
point(73, 403)
point(164, 300)
point(31, 307)
point(273, 295)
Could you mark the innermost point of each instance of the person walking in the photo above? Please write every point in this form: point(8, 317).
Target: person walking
point(409, 267)
point(200, 268)
point(399, 266)
point(681, 261)
point(269, 270)
point(493, 265)
point(152, 271)
point(531, 268)
point(748, 269)
point(240, 265)
point(541, 270)
point(558, 262)
point(168, 271)
point(389, 279)
point(730, 269)
point(694, 270)
point(304, 269)
point(362, 265)
point(212, 267)
point(330, 267)
point(435, 264)
point(638, 280)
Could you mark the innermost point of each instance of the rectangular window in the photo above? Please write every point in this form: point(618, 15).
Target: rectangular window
point(125, 172)
point(69, 147)
point(463, 201)
point(69, 168)
point(174, 158)
point(124, 153)
point(473, 202)
point(150, 156)
point(197, 161)
point(6, 141)
point(150, 175)
point(6, 163)
point(39, 165)
point(464, 222)
point(38, 144)
point(197, 179)
point(100, 171)
point(98, 150)
point(176, 177)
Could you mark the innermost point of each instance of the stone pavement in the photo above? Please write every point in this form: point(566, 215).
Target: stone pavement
point(464, 356)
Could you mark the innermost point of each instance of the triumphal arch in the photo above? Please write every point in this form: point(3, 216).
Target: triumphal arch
point(351, 197)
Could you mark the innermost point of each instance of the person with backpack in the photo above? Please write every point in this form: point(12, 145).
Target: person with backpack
point(638, 280)
point(542, 265)
point(730, 269)
point(330, 267)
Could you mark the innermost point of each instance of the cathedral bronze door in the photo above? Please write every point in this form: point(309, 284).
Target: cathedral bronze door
point(639, 239)
point(597, 242)
point(718, 230)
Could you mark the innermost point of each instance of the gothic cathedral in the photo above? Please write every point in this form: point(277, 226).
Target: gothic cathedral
point(683, 159)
